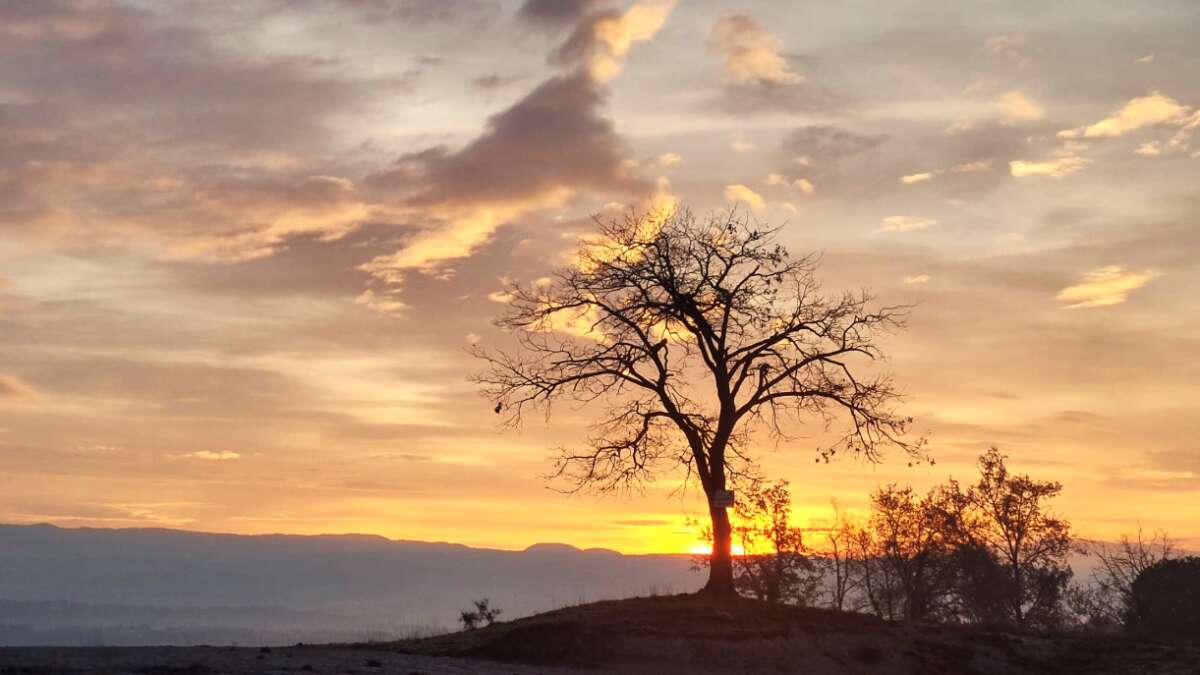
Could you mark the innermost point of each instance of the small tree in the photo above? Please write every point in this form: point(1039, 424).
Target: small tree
point(691, 333)
point(774, 565)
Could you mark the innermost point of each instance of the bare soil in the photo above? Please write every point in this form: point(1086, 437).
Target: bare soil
point(246, 661)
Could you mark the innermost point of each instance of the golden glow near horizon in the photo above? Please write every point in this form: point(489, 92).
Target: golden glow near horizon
point(243, 251)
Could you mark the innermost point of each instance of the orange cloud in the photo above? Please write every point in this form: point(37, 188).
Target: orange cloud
point(906, 224)
point(1144, 111)
point(1105, 287)
point(752, 53)
point(743, 195)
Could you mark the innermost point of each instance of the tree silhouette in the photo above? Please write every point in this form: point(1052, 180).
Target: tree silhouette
point(838, 557)
point(1166, 600)
point(1109, 600)
point(906, 553)
point(1030, 544)
point(690, 334)
point(483, 614)
point(775, 565)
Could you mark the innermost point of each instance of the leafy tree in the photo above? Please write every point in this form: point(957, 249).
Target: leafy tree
point(774, 565)
point(986, 553)
point(905, 551)
point(1030, 544)
point(686, 335)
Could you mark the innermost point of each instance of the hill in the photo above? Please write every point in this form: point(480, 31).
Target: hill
point(152, 586)
point(692, 634)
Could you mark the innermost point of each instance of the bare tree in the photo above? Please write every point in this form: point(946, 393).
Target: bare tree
point(1109, 601)
point(839, 558)
point(690, 333)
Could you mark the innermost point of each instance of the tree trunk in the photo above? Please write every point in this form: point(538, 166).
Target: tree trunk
point(720, 565)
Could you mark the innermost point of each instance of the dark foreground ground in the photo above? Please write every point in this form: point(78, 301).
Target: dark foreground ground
point(677, 634)
point(245, 661)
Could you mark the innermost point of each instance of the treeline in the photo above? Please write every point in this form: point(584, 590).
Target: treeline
point(991, 552)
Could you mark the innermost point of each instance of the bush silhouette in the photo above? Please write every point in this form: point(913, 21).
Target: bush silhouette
point(1166, 600)
point(483, 615)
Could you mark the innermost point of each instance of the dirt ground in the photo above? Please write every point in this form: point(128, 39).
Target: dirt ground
point(246, 661)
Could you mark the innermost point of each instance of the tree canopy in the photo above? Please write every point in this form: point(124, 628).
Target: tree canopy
point(686, 335)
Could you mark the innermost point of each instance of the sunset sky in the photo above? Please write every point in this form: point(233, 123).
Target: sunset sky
point(245, 246)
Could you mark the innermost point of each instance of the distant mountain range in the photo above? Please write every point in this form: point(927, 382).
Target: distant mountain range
point(155, 586)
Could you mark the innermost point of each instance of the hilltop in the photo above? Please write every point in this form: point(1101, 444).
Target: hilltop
point(692, 634)
point(658, 636)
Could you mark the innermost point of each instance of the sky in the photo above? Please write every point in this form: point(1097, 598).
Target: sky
point(244, 247)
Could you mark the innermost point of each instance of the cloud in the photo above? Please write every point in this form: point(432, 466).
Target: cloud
point(751, 53)
point(966, 167)
point(211, 456)
point(493, 81)
point(1144, 111)
point(742, 146)
point(1009, 45)
point(1017, 107)
point(1104, 287)
point(1150, 149)
point(820, 143)
point(643, 522)
point(803, 185)
point(408, 11)
point(906, 224)
point(918, 177)
point(668, 159)
point(160, 80)
point(743, 195)
point(12, 387)
point(501, 297)
point(135, 130)
point(972, 167)
point(917, 279)
point(386, 301)
point(257, 216)
point(602, 39)
point(537, 154)
point(1054, 168)
point(1064, 161)
point(557, 14)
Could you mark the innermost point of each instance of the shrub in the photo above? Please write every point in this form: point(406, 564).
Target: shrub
point(483, 615)
point(1166, 600)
